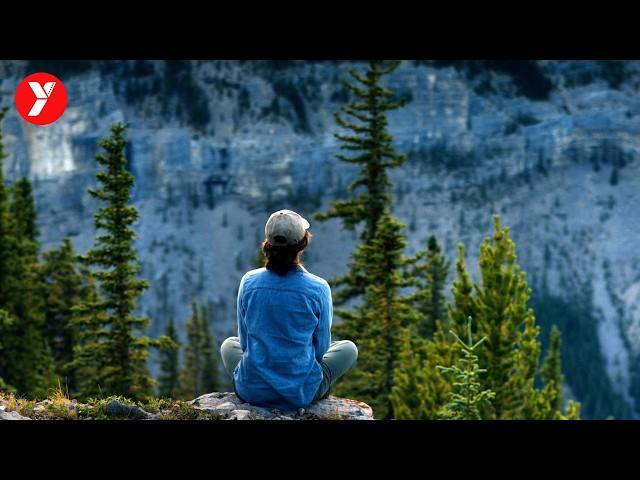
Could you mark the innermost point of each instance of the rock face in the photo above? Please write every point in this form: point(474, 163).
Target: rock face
point(331, 408)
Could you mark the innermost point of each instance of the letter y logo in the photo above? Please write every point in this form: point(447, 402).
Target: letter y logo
point(41, 98)
point(42, 94)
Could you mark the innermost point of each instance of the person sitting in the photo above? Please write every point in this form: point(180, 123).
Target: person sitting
point(283, 356)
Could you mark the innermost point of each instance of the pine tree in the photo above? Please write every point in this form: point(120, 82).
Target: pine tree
point(66, 285)
point(498, 306)
point(413, 403)
point(420, 389)
point(551, 371)
point(410, 391)
point(169, 364)
point(27, 364)
point(191, 376)
point(87, 320)
point(468, 398)
point(429, 298)
point(366, 119)
point(5, 330)
point(209, 381)
point(110, 347)
point(377, 324)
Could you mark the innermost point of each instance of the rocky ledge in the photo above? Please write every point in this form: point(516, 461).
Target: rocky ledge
point(231, 407)
point(211, 406)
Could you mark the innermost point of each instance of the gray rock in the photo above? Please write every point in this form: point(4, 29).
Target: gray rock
point(12, 416)
point(119, 409)
point(240, 415)
point(340, 409)
point(331, 408)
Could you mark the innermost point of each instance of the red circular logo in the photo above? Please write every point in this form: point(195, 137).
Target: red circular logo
point(41, 98)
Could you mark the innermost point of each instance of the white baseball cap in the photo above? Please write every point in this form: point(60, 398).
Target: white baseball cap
point(285, 227)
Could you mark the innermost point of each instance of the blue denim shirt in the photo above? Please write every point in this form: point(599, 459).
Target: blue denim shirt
point(284, 325)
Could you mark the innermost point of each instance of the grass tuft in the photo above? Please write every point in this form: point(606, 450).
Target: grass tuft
point(59, 407)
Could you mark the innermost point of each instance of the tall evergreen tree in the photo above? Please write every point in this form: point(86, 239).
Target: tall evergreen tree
point(191, 376)
point(498, 306)
point(210, 382)
point(467, 398)
point(376, 325)
point(66, 285)
point(114, 351)
point(370, 141)
point(26, 364)
point(169, 364)
point(33, 368)
point(429, 298)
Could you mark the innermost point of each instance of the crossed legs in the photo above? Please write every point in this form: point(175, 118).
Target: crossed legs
point(337, 360)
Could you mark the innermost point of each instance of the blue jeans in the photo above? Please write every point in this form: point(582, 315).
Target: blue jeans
point(337, 360)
